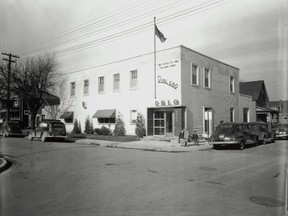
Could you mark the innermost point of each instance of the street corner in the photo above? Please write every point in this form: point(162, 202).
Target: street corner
point(3, 164)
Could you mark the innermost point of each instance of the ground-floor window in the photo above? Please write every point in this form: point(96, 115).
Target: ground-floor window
point(245, 114)
point(231, 114)
point(106, 120)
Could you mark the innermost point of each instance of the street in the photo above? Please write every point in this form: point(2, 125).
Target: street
point(66, 178)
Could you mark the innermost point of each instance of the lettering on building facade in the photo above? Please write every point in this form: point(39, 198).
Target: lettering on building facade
point(175, 102)
point(169, 83)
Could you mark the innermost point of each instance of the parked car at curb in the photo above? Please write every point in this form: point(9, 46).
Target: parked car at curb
point(10, 128)
point(263, 131)
point(236, 134)
point(49, 129)
point(281, 131)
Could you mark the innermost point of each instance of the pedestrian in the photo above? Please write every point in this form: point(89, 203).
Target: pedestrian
point(195, 138)
point(183, 137)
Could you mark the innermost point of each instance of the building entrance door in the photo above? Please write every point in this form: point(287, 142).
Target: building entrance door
point(163, 123)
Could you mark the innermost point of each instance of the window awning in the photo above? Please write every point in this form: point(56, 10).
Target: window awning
point(107, 113)
point(66, 115)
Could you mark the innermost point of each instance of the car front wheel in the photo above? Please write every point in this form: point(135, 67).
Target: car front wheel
point(241, 145)
point(30, 136)
point(43, 138)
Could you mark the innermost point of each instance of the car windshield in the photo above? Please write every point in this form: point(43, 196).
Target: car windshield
point(254, 128)
point(57, 125)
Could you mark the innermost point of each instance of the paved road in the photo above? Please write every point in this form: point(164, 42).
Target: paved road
point(75, 179)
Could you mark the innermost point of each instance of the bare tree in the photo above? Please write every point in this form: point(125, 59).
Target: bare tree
point(54, 111)
point(31, 79)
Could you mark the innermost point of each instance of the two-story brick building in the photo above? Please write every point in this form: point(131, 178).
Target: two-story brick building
point(188, 90)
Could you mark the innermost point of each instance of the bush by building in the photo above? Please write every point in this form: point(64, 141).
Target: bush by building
point(140, 129)
point(103, 131)
point(76, 128)
point(88, 126)
point(119, 129)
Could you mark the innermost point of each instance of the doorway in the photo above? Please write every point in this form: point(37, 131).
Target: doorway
point(163, 123)
point(208, 121)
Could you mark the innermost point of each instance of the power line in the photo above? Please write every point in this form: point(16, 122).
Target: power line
point(90, 24)
point(202, 7)
point(63, 41)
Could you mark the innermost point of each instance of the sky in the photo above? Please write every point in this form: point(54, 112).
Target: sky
point(248, 34)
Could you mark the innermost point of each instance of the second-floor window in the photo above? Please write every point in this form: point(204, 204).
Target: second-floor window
point(194, 75)
point(86, 87)
point(133, 79)
point(116, 82)
point(232, 84)
point(72, 89)
point(207, 78)
point(101, 84)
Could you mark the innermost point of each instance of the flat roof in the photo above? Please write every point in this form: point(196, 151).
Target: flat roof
point(138, 56)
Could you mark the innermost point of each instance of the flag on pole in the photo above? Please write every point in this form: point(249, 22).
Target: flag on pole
point(159, 34)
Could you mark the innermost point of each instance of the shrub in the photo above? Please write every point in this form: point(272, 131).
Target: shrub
point(119, 129)
point(76, 128)
point(103, 131)
point(140, 129)
point(88, 126)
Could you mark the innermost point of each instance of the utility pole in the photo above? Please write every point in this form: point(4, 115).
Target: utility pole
point(10, 61)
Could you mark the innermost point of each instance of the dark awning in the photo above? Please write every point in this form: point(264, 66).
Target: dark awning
point(107, 113)
point(66, 115)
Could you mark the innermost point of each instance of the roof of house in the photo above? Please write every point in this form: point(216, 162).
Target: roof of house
point(252, 88)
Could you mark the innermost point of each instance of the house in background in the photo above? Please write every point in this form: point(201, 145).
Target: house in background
point(282, 107)
point(19, 110)
point(257, 90)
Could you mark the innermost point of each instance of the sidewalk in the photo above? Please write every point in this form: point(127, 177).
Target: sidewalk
point(149, 145)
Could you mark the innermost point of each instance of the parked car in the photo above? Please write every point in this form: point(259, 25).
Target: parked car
point(49, 129)
point(281, 131)
point(230, 133)
point(10, 128)
point(263, 131)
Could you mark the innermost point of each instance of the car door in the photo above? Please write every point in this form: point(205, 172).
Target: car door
point(249, 137)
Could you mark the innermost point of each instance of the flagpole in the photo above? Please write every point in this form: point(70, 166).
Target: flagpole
point(154, 58)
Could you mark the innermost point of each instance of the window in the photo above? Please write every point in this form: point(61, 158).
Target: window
point(133, 79)
point(245, 114)
point(86, 87)
point(133, 116)
point(116, 82)
point(72, 89)
point(231, 114)
point(106, 120)
point(232, 84)
point(194, 75)
point(207, 79)
point(101, 84)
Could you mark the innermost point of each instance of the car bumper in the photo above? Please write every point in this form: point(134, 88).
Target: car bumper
point(56, 137)
point(225, 143)
point(281, 136)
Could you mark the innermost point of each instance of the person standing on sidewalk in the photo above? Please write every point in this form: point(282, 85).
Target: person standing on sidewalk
point(184, 137)
point(195, 138)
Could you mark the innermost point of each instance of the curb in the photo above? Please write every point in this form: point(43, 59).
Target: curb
point(109, 144)
point(3, 164)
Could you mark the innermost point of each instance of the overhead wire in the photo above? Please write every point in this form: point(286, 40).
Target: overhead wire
point(111, 27)
point(102, 20)
point(142, 27)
